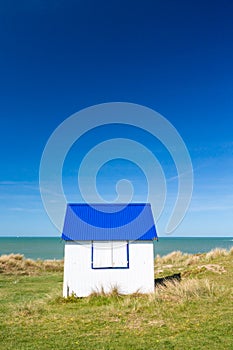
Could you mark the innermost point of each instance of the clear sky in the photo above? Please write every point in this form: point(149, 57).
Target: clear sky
point(57, 57)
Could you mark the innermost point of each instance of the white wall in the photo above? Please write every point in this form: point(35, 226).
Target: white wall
point(81, 279)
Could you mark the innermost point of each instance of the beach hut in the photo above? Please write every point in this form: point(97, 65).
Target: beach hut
point(108, 246)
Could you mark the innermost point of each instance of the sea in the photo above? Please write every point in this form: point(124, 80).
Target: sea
point(53, 247)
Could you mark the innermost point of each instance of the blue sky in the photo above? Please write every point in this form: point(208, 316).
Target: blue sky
point(175, 57)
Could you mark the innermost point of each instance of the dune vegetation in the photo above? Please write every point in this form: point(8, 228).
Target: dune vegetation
point(194, 313)
point(16, 264)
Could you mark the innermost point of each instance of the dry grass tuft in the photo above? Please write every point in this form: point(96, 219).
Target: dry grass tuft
point(11, 257)
point(216, 253)
point(186, 290)
point(170, 258)
point(113, 292)
point(192, 260)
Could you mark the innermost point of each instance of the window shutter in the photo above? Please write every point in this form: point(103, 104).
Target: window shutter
point(110, 254)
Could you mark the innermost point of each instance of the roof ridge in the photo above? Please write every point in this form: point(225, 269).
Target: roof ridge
point(108, 204)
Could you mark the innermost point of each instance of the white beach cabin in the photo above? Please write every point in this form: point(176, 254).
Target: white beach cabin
point(108, 246)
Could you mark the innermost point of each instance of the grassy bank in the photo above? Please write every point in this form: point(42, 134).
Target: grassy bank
point(195, 313)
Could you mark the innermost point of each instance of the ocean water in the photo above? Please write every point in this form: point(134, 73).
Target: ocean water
point(53, 248)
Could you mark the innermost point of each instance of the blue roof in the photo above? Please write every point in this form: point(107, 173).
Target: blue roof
point(104, 222)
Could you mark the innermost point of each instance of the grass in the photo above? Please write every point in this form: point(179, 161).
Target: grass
point(17, 265)
point(195, 313)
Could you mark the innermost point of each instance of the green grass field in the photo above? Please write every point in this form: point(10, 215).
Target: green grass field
point(196, 313)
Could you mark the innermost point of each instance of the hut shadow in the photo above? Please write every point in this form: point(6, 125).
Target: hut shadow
point(176, 277)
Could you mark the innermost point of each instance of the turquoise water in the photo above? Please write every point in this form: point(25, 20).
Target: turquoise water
point(53, 248)
point(33, 247)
